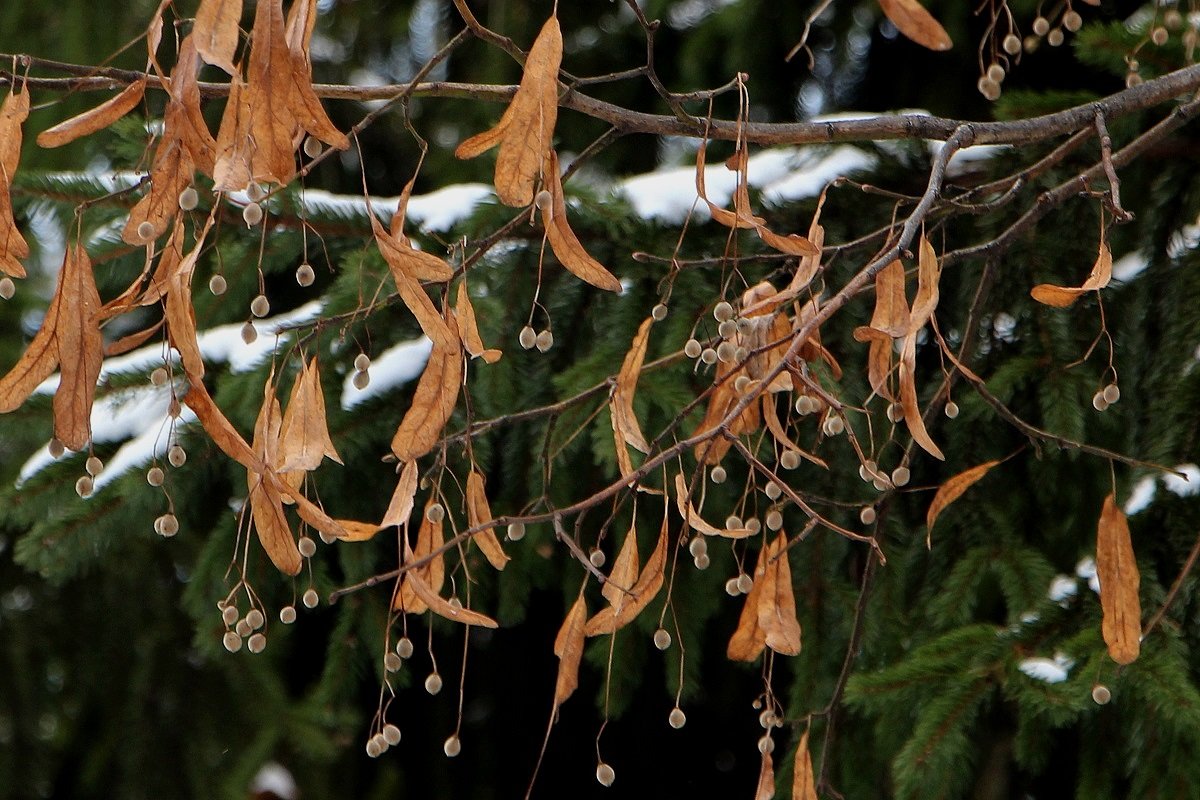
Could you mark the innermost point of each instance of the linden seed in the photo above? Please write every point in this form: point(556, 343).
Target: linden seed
point(881, 484)
point(310, 598)
point(243, 628)
point(543, 200)
point(189, 199)
point(1055, 38)
point(867, 515)
point(255, 192)
point(255, 618)
point(772, 490)
point(722, 311)
point(988, 88)
point(834, 425)
point(766, 719)
point(232, 641)
point(516, 531)
point(597, 558)
point(996, 73)
point(802, 405)
point(93, 465)
point(305, 275)
point(753, 525)
point(7, 288)
point(404, 647)
point(732, 522)
point(433, 684)
point(1041, 26)
point(326, 538)
point(774, 520)
point(1101, 694)
point(435, 512)
point(867, 469)
point(1031, 43)
point(677, 719)
point(1112, 393)
point(287, 615)
point(1132, 80)
point(718, 474)
point(362, 362)
point(230, 615)
point(766, 744)
point(901, 476)
point(698, 547)
point(83, 486)
point(257, 643)
point(662, 639)
point(159, 376)
point(1098, 402)
point(745, 583)
point(249, 333)
point(452, 747)
point(708, 356)
point(659, 312)
point(895, 412)
point(527, 337)
point(692, 348)
point(951, 409)
point(1072, 21)
point(1158, 36)
point(145, 231)
point(252, 214)
point(392, 662)
point(361, 380)
point(176, 456)
point(373, 748)
point(702, 561)
point(174, 409)
point(790, 459)
point(312, 147)
point(743, 381)
point(217, 285)
point(307, 547)
point(455, 605)
point(382, 742)
point(544, 341)
point(391, 734)
point(605, 774)
point(727, 328)
point(1011, 44)
point(260, 306)
point(56, 448)
point(731, 587)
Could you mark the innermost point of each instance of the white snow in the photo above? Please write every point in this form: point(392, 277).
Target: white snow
point(442, 209)
point(1129, 266)
point(274, 778)
point(813, 171)
point(1142, 495)
point(1086, 569)
point(1050, 670)
point(1181, 487)
point(395, 367)
point(1062, 589)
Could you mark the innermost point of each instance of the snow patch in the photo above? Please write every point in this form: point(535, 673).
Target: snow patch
point(1062, 589)
point(1049, 670)
point(1142, 495)
point(1129, 266)
point(1181, 486)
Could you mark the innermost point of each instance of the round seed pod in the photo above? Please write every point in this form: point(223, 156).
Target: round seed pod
point(901, 476)
point(310, 598)
point(544, 341)
point(698, 547)
point(996, 73)
point(895, 412)
point(158, 376)
point(1041, 26)
point(249, 333)
point(189, 199)
point(145, 231)
point(597, 558)
point(361, 380)
point(727, 328)
point(702, 561)
point(677, 719)
point(833, 425)
point(662, 639)
point(708, 356)
point(1055, 37)
point(543, 200)
point(232, 641)
point(229, 615)
point(374, 749)
point(659, 312)
point(93, 466)
point(741, 383)
point(255, 618)
point(766, 744)
point(307, 547)
point(867, 515)
point(83, 486)
point(362, 362)
point(1072, 21)
point(305, 275)
point(1011, 44)
point(260, 306)
point(313, 147)
point(391, 734)
point(1111, 393)
point(988, 88)
point(745, 583)
point(753, 525)
point(404, 647)
point(731, 587)
point(1101, 694)
point(243, 628)
point(56, 448)
point(790, 459)
point(7, 288)
point(176, 456)
point(692, 348)
point(252, 214)
point(392, 662)
point(1158, 35)
point(951, 409)
point(772, 490)
point(1098, 402)
point(433, 684)
point(527, 337)
point(516, 531)
point(732, 522)
point(435, 513)
point(718, 474)
point(255, 192)
point(217, 285)
point(287, 615)
point(722, 311)
point(452, 747)
point(605, 774)
point(774, 520)
point(257, 643)
point(726, 352)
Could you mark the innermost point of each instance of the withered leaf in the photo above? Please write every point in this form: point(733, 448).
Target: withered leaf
point(525, 130)
point(879, 359)
point(777, 603)
point(917, 24)
point(181, 324)
point(219, 428)
point(429, 539)
point(693, 520)
point(891, 314)
point(310, 114)
point(929, 275)
point(80, 349)
point(357, 531)
point(216, 32)
point(443, 608)
point(468, 328)
point(623, 418)
point(766, 779)
point(479, 513)
point(568, 646)
point(433, 402)
point(37, 362)
point(749, 639)
point(131, 341)
point(1064, 296)
point(13, 247)
point(432, 323)
point(1117, 569)
point(908, 399)
point(624, 572)
point(564, 243)
point(804, 783)
point(95, 119)
point(271, 525)
point(730, 219)
point(304, 437)
point(953, 489)
point(401, 505)
point(400, 255)
point(620, 614)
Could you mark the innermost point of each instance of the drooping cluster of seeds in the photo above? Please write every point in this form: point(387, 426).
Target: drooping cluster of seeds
point(250, 629)
point(1106, 396)
point(528, 338)
point(362, 376)
point(1050, 29)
